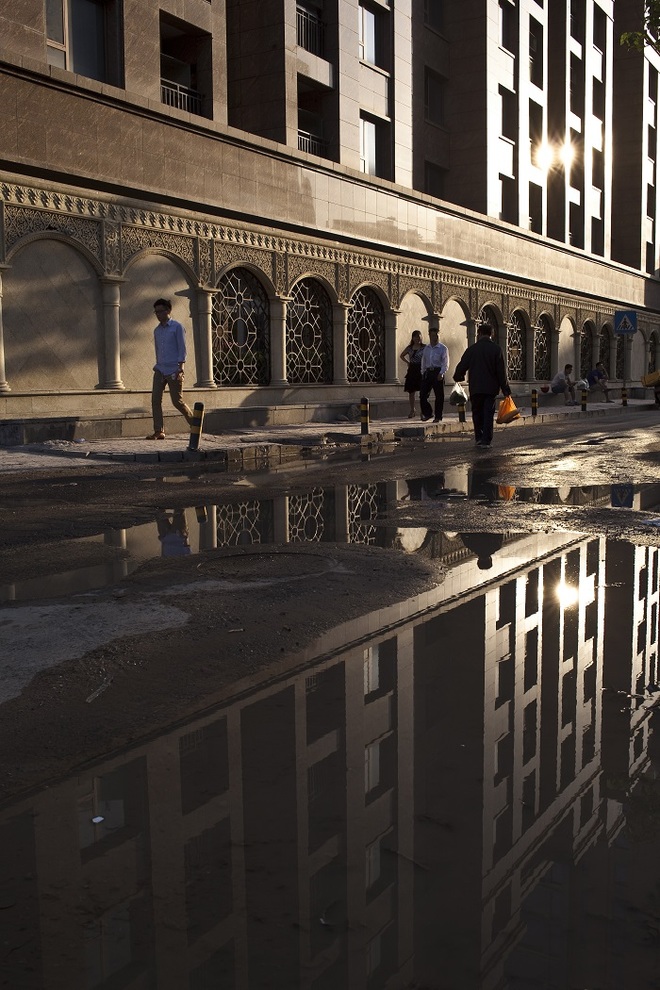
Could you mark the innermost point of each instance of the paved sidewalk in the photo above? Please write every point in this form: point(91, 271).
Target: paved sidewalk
point(267, 446)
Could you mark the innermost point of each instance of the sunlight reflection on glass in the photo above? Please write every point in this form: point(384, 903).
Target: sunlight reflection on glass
point(567, 154)
point(567, 594)
point(544, 156)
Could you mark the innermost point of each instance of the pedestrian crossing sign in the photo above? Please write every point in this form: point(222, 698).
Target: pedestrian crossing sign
point(625, 321)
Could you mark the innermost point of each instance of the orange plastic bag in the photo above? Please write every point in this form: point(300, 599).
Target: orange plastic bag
point(506, 492)
point(508, 410)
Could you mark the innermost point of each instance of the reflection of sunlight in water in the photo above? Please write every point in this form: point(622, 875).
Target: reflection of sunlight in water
point(567, 594)
point(565, 464)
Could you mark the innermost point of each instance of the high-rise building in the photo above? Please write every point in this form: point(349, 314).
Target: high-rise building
point(310, 181)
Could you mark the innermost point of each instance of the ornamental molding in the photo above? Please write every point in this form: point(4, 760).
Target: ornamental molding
point(20, 221)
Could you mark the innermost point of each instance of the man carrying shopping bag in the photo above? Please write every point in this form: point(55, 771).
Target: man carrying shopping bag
point(483, 362)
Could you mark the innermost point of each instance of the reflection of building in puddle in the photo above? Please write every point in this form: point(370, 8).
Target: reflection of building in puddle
point(341, 513)
point(412, 807)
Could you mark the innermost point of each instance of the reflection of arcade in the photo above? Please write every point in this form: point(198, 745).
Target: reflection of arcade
point(173, 533)
point(478, 755)
point(420, 489)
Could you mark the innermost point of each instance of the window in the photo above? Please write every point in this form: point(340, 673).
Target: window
point(509, 112)
point(536, 52)
point(367, 34)
point(434, 180)
point(507, 26)
point(368, 146)
point(310, 30)
point(371, 36)
point(434, 14)
point(185, 66)
point(83, 37)
point(434, 97)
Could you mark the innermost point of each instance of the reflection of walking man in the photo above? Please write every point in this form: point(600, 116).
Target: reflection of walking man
point(173, 533)
point(170, 344)
point(435, 361)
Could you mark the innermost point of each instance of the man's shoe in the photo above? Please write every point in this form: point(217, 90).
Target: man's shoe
point(482, 444)
point(425, 419)
point(437, 419)
point(156, 436)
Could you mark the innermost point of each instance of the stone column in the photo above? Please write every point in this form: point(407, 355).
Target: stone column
point(110, 376)
point(205, 339)
point(4, 384)
point(278, 340)
point(530, 355)
point(391, 356)
point(339, 331)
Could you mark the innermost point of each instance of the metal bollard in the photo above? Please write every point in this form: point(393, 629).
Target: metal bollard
point(624, 396)
point(196, 426)
point(583, 404)
point(364, 417)
point(461, 412)
point(535, 402)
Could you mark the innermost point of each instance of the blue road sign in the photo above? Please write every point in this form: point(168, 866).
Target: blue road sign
point(625, 321)
point(621, 496)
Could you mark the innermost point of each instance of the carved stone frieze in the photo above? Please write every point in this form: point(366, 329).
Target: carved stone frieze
point(410, 283)
point(368, 276)
point(111, 247)
point(21, 221)
point(227, 253)
point(298, 267)
point(136, 239)
point(203, 260)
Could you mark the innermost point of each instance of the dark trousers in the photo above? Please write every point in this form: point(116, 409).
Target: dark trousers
point(432, 380)
point(483, 412)
point(176, 388)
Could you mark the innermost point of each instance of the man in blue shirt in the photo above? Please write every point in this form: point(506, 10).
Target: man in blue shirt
point(170, 344)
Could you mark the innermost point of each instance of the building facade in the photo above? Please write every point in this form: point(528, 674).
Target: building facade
point(311, 181)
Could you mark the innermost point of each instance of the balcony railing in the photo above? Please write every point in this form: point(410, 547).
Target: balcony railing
point(310, 31)
point(313, 144)
point(180, 97)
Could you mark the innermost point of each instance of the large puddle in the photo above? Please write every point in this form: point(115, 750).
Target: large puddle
point(460, 794)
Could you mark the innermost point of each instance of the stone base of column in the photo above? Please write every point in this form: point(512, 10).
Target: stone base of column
point(116, 386)
point(210, 384)
point(278, 383)
point(4, 387)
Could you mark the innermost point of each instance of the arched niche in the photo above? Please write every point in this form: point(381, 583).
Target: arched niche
point(53, 319)
point(149, 277)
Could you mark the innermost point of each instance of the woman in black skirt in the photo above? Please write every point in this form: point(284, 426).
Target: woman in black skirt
point(412, 355)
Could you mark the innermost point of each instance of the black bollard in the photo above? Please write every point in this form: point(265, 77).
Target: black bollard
point(535, 402)
point(624, 396)
point(196, 426)
point(583, 404)
point(461, 412)
point(364, 417)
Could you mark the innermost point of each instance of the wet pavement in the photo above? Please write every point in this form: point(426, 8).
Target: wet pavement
point(269, 446)
point(455, 789)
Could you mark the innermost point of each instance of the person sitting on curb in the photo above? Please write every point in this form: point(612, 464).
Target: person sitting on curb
point(597, 379)
point(563, 384)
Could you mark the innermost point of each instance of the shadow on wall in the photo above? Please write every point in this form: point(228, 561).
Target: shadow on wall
point(52, 318)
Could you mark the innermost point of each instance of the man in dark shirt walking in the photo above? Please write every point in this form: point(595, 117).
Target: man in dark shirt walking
point(483, 362)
